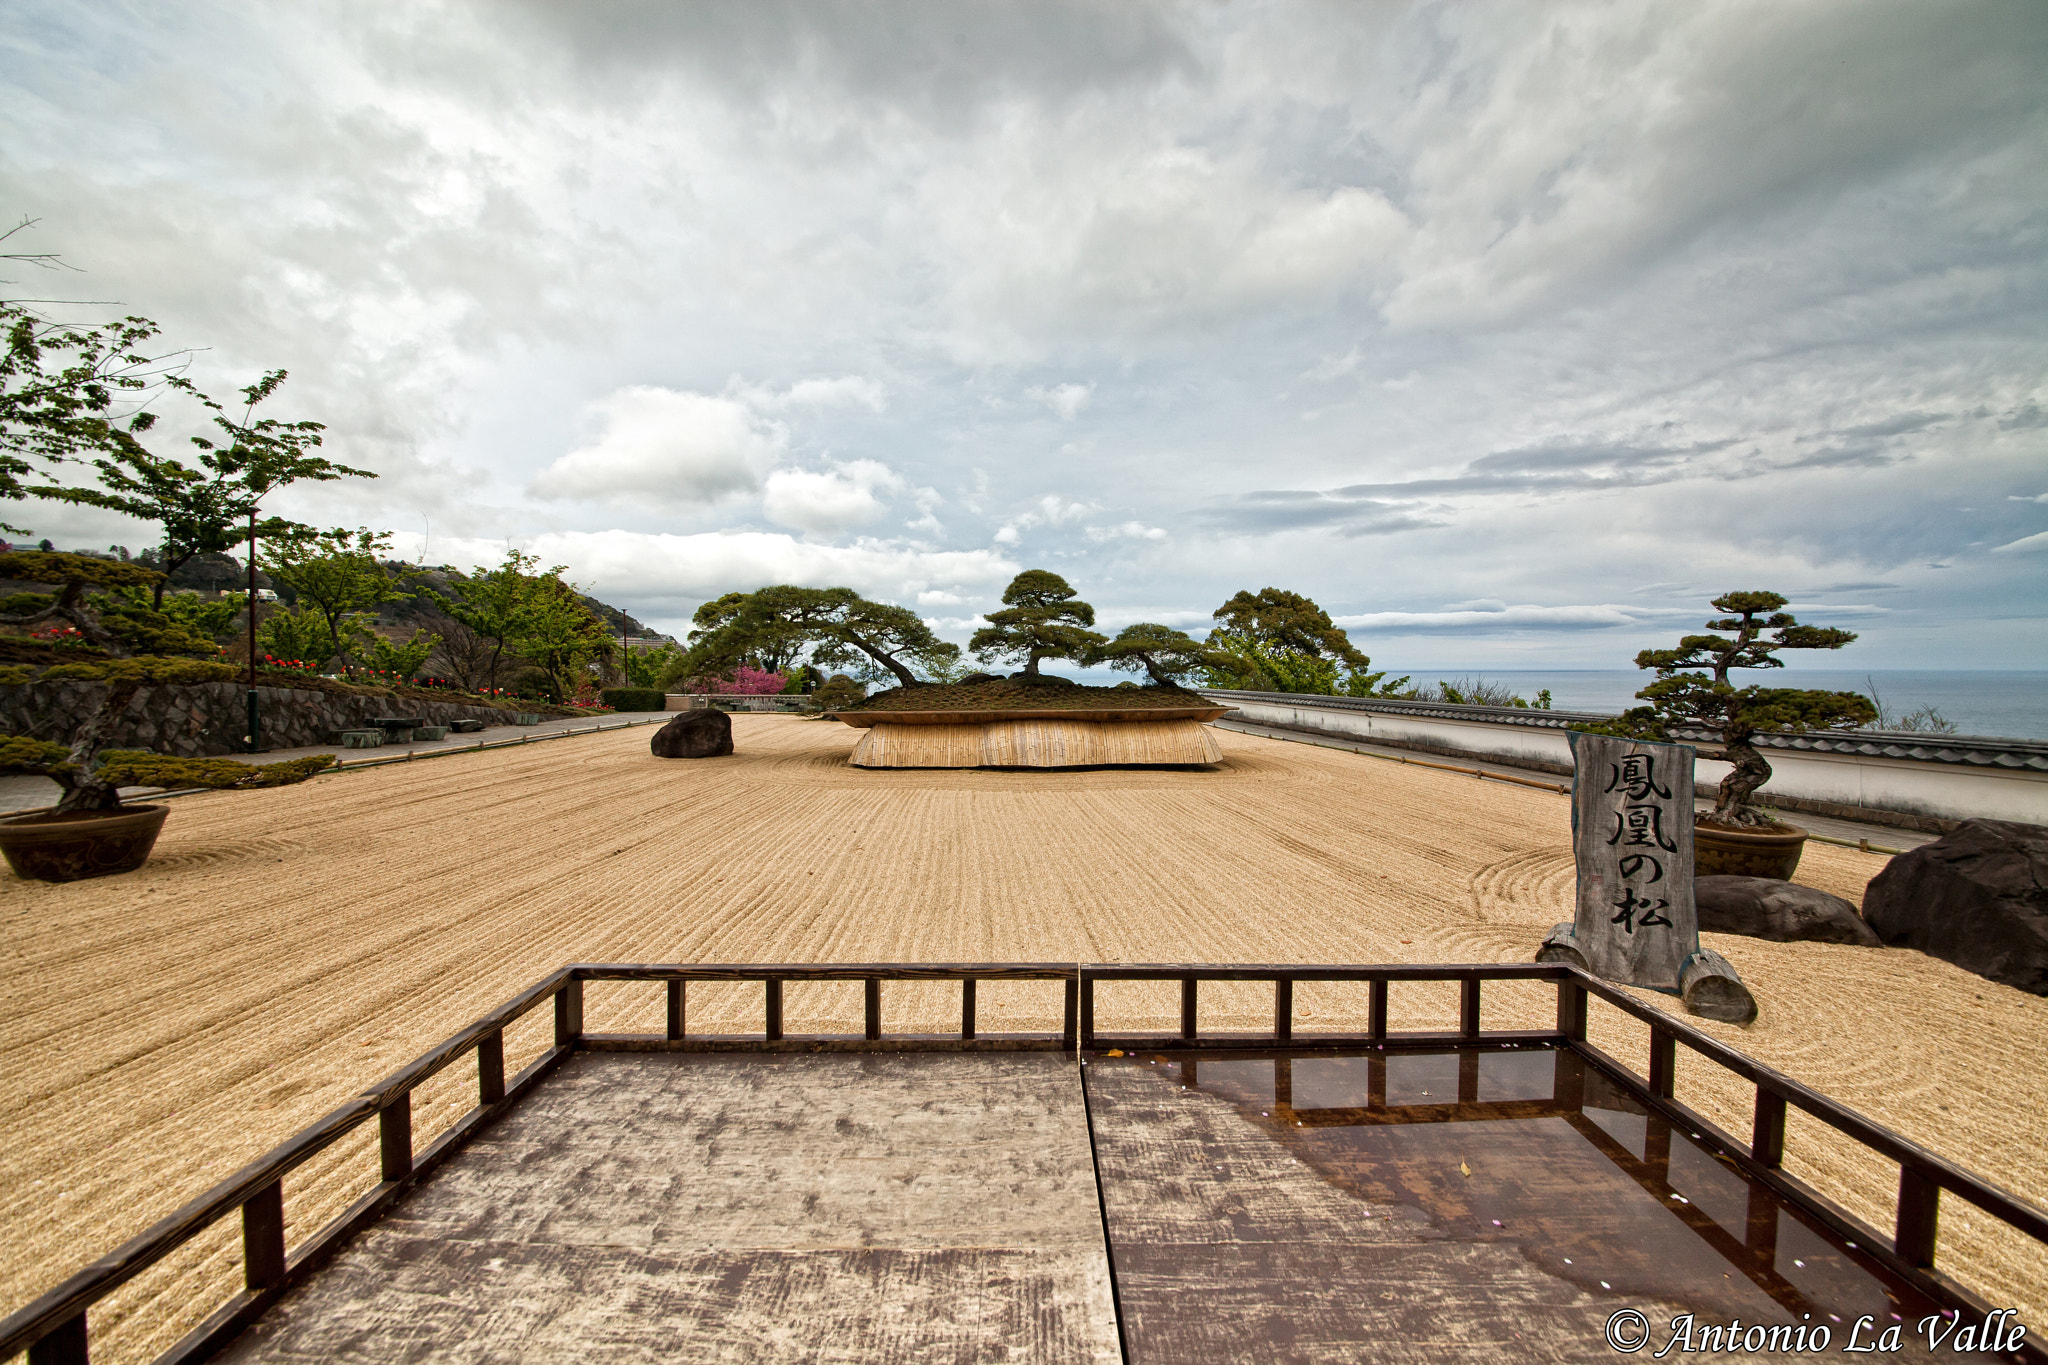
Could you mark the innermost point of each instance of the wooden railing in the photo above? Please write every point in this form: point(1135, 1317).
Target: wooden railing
point(53, 1329)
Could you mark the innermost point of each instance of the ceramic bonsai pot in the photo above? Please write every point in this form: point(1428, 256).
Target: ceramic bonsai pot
point(49, 846)
point(1770, 852)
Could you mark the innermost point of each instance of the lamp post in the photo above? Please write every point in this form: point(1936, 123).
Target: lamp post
point(255, 722)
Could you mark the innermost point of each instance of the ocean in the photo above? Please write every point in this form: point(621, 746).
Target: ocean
point(2008, 704)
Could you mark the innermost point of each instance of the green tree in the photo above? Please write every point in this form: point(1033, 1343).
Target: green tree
point(294, 635)
point(398, 659)
point(489, 603)
point(61, 382)
point(336, 574)
point(773, 627)
point(1692, 692)
point(1166, 655)
point(556, 633)
point(1041, 619)
point(1279, 641)
point(208, 509)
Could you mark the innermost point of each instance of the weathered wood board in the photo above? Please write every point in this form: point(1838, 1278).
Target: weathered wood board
point(1038, 742)
point(800, 1207)
point(1632, 841)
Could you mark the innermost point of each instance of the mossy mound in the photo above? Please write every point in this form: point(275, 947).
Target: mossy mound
point(1009, 694)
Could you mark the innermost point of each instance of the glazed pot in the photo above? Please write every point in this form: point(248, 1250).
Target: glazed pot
point(1770, 853)
point(69, 846)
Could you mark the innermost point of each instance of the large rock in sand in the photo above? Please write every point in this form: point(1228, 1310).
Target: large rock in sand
point(694, 734)
point(1977, 897)
point(1785, 912)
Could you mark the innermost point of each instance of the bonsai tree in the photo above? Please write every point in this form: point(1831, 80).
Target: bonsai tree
point(1040, 620)
point(90, 774)
point(1692, 691)
point(1165, 654)
point(772, 627)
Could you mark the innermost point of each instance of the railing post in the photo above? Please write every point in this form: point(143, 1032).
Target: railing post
point(490, 1067)
point(1767, 1137)
point(1283, 1011)
point(1087, 1012)
point(967, 1010)
point(772, 1006)
point(394, 1138)
point(676, 1003)
point(263, 1237)
point(1068, 1027)
point(1663, 1063)
point(63, 1346)
point(569, 1013)
point(872, 991)
point(1376, 1009)
point(1468, 1008)
point(1919, 1209)
point(1188, 988)
point(1571, 1009)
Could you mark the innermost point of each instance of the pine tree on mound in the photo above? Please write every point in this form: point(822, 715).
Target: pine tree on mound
point(1040, 620)
point(1165, 654)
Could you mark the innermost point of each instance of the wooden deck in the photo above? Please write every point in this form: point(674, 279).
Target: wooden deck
point(714, 1208)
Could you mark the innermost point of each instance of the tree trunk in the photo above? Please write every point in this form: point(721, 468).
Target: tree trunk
point(1749, 772)
point(903, 675)
point(83, 790)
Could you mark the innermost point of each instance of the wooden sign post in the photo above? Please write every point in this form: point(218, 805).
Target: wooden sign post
point(1635, 921)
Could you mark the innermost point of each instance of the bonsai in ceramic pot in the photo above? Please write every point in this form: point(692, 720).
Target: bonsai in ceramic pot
point(1692, 693)
point(90, 832)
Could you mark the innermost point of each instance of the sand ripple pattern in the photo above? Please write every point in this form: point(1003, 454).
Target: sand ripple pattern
point(284, 948)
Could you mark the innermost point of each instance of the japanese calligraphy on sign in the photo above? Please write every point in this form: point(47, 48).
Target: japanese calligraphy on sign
point(1632, 809)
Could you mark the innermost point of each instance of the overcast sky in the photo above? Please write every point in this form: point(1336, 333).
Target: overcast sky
point(1510, 333)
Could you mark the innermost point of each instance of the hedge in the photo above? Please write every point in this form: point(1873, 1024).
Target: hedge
point(634, 698)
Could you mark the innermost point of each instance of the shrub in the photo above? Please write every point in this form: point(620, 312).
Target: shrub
point(634, 698)
point(839, 691)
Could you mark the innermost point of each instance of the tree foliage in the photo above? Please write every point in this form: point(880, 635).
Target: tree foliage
point(207, 509)
point(337, 575)
point(1167, 656)
point(1692, 691)
point(1041, 619)
point(772, 628)
point(1279, 641)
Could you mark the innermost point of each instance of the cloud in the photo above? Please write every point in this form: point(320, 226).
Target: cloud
point(1268, 511)
point(831, 500)
point(669, 448)
point(1127, 530)
point(2025, 545)
point(659, 571)
point(1497, 615)
point(1049, 510)
point(1065, 399)
point(2038, 497)
point(840, 391)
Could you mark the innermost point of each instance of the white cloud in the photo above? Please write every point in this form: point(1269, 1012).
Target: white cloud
point(2025, 545)
point(829, 501)
point(1050, 510)
point(840, 391)
point(654, 571)
point(1499, 617)
point(668, 448)
point(1065, 399)
point(1127, 530)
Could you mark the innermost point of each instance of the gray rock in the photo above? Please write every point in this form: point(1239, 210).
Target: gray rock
point(694, 734)
point(1785, 912)
point(1977, 897)
point(981, 678)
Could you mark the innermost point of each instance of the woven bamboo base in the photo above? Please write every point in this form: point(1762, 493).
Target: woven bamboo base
point(1037, 743)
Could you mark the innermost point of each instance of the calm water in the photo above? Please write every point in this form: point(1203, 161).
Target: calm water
point(2013, 704)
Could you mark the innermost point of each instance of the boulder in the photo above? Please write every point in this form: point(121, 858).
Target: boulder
point(694, 734)
point(1977, 897)
point(1785, 912)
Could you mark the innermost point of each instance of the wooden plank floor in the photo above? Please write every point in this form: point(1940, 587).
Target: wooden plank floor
point(1431, 1208)
point(726, 1209)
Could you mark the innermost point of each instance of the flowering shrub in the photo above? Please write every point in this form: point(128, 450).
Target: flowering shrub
point(61, 635)
point(748, 681)
point(294, 665)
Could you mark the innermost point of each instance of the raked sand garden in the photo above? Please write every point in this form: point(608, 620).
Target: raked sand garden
point(284, 948)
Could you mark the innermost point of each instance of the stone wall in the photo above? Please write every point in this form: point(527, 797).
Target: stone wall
point(212, 718)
